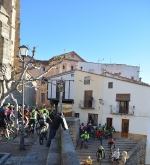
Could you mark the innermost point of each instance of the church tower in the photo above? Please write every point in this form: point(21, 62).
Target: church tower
point(9, 33)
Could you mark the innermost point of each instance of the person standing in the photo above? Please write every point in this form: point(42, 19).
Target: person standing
point(54, 126)
point(116, 155)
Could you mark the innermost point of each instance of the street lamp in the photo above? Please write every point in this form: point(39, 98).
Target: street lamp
point(61, 90)
point(23, 53)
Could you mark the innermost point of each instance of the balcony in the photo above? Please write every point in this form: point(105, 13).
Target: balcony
point(116, 111)
point(87, 104)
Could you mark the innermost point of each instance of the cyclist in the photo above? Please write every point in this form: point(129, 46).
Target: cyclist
point(100, 152)
point(102, 128)
point(88, 161)
point(99, 126)
point(111, 130)
point(99, 135)
point(86, 136)
point(33, 116)
point(43, 118)
point(116, 155)
point(82, 128)
point(3, 122)
point(43, 110)
point(26, 116)
point(111, 142)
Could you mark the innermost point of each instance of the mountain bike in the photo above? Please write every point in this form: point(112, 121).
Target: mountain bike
point(13, 133)
point(42, 135)
point(112, 162)
point(29, 130)
point(99, 159)
point(111, 146)
point(37, 128)
point(82, 141)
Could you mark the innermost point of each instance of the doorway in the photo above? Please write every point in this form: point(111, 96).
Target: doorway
point(93, 118)
point(87, 100)
point(125, 128)
point(109, 123)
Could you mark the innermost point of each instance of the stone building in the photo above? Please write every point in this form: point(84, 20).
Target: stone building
point(9, 35)
point(64, 62)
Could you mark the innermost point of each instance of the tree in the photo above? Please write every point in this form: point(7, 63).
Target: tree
point(17, 76)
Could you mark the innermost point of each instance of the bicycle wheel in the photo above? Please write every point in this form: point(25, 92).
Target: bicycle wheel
point(37, 128)
point(81, 144)
point(45, 134)
point(13, 132)
point(41, 138)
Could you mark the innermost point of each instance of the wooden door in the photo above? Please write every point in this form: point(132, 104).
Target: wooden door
point(87, 96)
point(109, 123)
point(125, 127)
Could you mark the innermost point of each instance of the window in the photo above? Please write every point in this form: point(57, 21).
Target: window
point(76, 115)
point(81, 67)
point(87, 80)
point(63, 66)
point(110, 85)
point(42, 97)
point(88, 99)
point(72, 75)
point(71, 68)
point(93, 118)
point(124, 104)
point(123, 100)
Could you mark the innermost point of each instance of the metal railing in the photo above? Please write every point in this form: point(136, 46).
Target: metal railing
point(86, 104)
point(116, 110)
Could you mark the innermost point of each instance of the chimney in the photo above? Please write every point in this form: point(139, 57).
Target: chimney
point(140, 78)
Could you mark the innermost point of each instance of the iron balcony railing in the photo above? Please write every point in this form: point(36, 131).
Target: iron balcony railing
point(87, 104)
point(117, 110)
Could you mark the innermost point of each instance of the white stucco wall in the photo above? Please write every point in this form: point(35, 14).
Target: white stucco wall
point(139, 95)
point(79, 88)
point(125, 70)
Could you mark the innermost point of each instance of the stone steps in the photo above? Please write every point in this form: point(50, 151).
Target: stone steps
point(93, 144)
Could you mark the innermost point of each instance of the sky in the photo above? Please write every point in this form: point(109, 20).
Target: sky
point(117, 31)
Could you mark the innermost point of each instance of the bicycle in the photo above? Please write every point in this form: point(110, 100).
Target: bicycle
point(29, 130)
point(111, 146)
point(82, 141)
point(13, 133)
point(37, 128)
point(99, 159)
point(42, 135)
point(112, 162)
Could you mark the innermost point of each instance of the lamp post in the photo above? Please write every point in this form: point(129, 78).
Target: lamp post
point(23, 53)
point(61, 90)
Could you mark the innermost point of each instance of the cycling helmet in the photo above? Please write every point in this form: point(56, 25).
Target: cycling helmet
point(100, 147)
point(44, 111)
point(117, 149)
point(89, 157)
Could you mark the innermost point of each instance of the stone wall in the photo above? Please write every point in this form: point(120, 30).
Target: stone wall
point(136, 156)
point(135, 137)
point(73, 125)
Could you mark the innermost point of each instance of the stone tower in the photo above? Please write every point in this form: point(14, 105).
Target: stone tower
point(9, 36)
point(9, 33)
